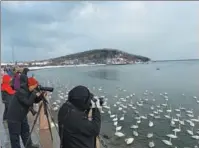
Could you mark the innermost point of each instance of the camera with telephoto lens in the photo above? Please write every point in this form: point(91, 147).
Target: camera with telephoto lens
point(39, 89)
point(42, 88)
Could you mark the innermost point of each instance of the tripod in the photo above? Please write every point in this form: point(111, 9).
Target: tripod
point(44, 104)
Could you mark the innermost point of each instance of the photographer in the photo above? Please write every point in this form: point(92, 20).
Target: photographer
point(18, 110)
point(75, 129)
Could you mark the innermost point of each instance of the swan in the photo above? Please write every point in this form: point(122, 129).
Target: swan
point(138, 121)
point(115, 119)
point(152, 107)
point(152, 115)
point(135, 126)
point(112, 116)
point(172, 136)
point(169, 110)
point(177, 129)
point(122, 118)
point(195, 137)
point(149, 135)
point(120, 108)
point(143, 117)
point(175, 120)
point(195, 120)
point(118, 128)
point(189, 111)
point(156, 112)
point(190, 132)
point(115, 123)
point(151, 144)
point(129, 140)
point(190, 115)
point(167, 116)
point(150, 124)
point(135, 133)
point(119, 134)
point(181, 122)
point(167, 142)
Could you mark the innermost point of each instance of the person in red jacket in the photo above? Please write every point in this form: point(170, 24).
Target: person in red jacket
point(7, 93)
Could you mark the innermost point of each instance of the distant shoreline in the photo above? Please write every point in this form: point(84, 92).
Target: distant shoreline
point(81, 65)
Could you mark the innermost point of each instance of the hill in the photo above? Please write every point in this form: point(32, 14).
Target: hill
point(99, 56)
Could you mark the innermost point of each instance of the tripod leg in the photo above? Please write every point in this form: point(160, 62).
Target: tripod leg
point(34, 124)
point(49, 125)
point(52, 120)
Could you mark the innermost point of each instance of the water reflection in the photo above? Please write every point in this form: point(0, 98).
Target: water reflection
point(107, 74)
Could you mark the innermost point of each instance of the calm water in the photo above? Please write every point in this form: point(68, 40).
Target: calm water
point(175, 78)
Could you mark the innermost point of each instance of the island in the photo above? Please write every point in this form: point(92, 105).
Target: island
point(105, 56)
point(98, 56)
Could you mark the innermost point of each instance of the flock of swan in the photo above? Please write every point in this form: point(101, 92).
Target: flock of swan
point(181, 119)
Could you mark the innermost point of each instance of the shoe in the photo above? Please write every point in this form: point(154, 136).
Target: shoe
point(34, 146)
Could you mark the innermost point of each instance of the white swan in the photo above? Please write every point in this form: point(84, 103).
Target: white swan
point(190, 132)
point(118, 128)
point(149, 135)
point(150, 124)
point(172, 136)
point(135, 126)
point(122, 118)
point(169, 110)
point(129, 140)
point(177, 129)
point(112, 116)
point(167, 142)
point(115, 119)
point(151, 144)
point(195, 137)
point(119, 134)
point(195, 120)
point(135, 133)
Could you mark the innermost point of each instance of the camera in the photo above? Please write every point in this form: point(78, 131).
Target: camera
point(41, 88)
point(98, 102)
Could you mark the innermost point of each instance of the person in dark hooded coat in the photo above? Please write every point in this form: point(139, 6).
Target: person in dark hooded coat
point(7, 93)
point(18, 110)
point(75, 129)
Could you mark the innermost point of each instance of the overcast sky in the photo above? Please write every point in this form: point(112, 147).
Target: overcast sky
point(158, 30)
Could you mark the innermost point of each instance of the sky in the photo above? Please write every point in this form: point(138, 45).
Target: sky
point(41, 30)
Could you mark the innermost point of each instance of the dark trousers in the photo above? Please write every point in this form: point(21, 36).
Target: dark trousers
point(17, 129)
point(5, 111)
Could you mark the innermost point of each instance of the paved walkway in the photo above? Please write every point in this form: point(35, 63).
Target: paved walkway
point(4, 136)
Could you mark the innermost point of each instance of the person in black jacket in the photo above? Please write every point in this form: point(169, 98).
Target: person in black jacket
point(75, 129)
point(18, 110)
point(7, 93)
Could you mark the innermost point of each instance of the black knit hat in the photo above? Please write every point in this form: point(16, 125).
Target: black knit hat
point(80, 97)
